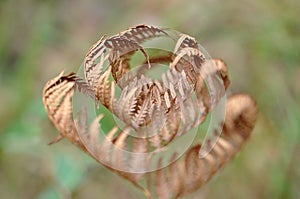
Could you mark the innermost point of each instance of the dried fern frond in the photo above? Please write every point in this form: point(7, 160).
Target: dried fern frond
point(191, 171)
point(57, 99)
point(142, 33)
point(155, 113)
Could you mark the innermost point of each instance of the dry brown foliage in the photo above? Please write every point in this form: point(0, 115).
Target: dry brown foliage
point(163, 108)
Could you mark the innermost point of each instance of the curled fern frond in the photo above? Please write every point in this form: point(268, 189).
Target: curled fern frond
point(152, 113)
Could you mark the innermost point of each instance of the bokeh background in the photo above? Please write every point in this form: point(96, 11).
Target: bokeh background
point(259, 40)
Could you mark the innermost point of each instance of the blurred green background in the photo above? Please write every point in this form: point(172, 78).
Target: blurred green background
point(259, 40)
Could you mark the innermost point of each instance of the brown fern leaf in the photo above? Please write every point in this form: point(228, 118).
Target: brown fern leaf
point(93, 70)
point(57, 99)
point(185, 41)
point(138, 34)
point(189, 60)
point(191, 171)
point(222, 71)
point(83, 87)
point(153, 113)
point(142, 33)
point(103, 89)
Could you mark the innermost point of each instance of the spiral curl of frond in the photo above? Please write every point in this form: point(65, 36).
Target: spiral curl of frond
point(154, 112)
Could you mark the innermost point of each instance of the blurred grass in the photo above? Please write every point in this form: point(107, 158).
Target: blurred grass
point(259, 40)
